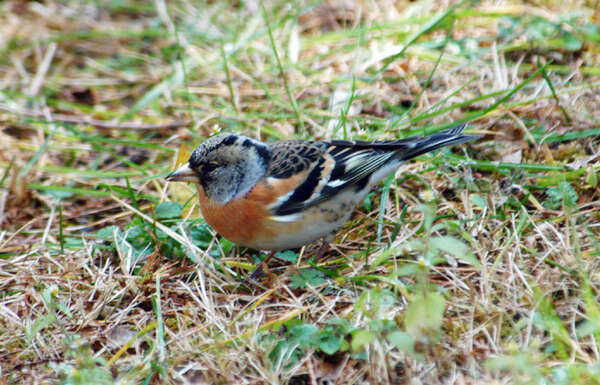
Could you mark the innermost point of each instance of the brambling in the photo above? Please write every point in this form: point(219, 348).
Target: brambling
point(285, 194)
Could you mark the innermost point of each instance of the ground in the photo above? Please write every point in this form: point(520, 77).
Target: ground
point(477, 264)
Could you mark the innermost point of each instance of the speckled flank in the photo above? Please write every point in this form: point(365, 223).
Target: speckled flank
point(322, 220)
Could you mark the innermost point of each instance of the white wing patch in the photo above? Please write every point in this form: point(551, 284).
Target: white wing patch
point(286, 218)
point(336, 183)
point(357, 159)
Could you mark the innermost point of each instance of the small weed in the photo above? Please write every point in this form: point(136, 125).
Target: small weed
point(85, 368)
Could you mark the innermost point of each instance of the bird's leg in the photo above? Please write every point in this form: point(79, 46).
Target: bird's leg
point(259, 269)
point(321, 250)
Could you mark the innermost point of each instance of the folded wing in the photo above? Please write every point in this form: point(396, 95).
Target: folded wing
point(338, 165)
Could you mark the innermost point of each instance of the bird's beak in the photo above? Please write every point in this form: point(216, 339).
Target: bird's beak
point(182, 174)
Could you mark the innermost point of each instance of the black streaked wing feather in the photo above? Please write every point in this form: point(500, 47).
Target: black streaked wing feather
point(350, 174)
point(355, 162)
point(291, 157)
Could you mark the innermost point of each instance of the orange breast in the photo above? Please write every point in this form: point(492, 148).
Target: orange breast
point(240, 221)
point(245, 220)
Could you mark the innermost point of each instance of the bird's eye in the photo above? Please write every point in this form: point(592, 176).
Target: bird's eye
point(210, 166)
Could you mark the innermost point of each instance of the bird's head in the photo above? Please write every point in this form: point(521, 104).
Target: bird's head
point(227, 166)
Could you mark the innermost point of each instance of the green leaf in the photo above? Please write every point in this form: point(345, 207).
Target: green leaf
point(360, 338)
point(405, 270)
point(455, 248)
point(428, 213)
point(59, 194)
point(168, 210)
point(329, 342)
point(304, 335)
point(424, 315)
point(367, 205)
point(478, 201)
point(381, 326)
point(572, 43)
point(64, 309)
point(402, 341)
point(107, 232)
point(201, 235)
point(563, 193)
point(38, 325)
point(288, 255)
point(49, 296)
point(382, 204)
point(592, 177)
point(306, 277)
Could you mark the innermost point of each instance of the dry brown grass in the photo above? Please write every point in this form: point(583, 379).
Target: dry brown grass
point(93, 99)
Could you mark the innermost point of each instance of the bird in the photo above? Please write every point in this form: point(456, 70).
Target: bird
point(285, 194)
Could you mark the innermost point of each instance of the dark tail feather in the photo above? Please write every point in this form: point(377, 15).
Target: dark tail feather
point(432, 142)
point(411, 147)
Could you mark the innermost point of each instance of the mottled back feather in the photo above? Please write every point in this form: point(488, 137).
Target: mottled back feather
point(289, 157)
point(355, 162)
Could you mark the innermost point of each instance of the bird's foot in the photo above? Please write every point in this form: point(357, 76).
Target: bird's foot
point(259, 270)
